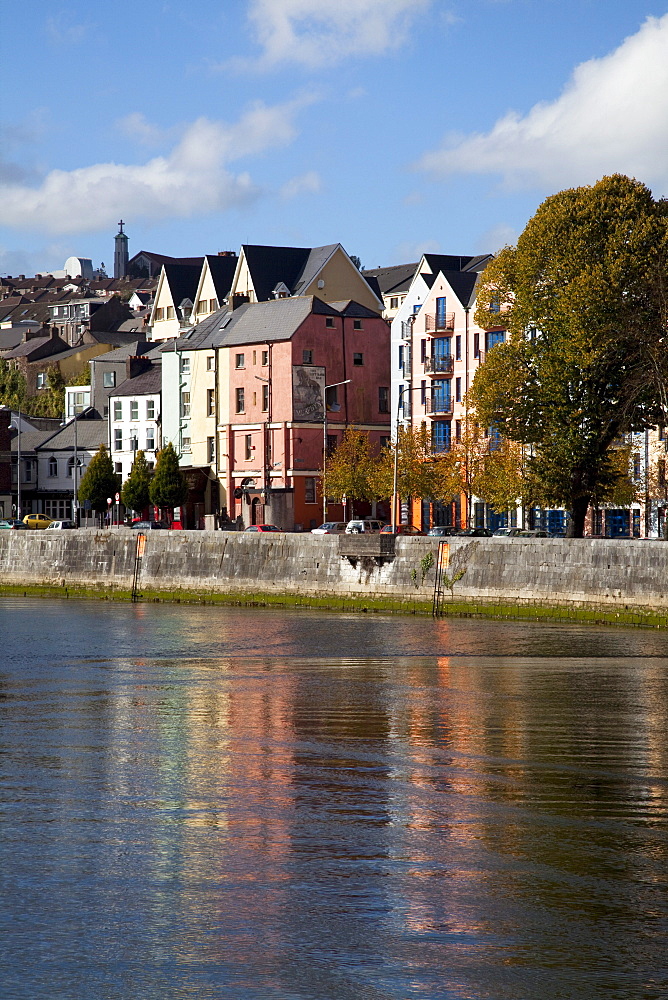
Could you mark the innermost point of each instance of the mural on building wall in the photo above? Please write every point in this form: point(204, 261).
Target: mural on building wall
point(308, 391)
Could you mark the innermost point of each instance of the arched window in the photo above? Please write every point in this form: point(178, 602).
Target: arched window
point(53, 467)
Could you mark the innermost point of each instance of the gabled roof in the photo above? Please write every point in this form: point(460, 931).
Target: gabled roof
point(269, 265)
point(394, 279)
point(351, 308)
point(182, 280)
point(91, 433)
point(202, 336)
point(452, 262)
point(148, 383)
point(222, 268)
point(133, 349)
point(159, 258)
point(313, 265)
point(38, 346)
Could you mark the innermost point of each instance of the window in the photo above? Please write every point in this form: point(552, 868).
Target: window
point(159, 315)
point(185, 444)
point(53, 467)
point(476, 345)
point(27, 471)
point(170, 312)
point(357, 324)
point(248, 443)
point(494, 338)
point(109, 380)
point(332, 442)
point(184, 365)
point(134, 409)
point(358, 359)
point(458, 430)
point(329, 322)
point(118, 439)
point(118, 409)
point(210, 363)
point(240, 361)
point(202, 306)
point(383, 399)
point(118, 468)
point(265, 398)
point(458, 348)
point(309, 490)
point(636, 466)
point(423, 351)
point(661, 472)
point(134, 441)
point(440, 313)
point(210, 402)
point(423, 391)
point(150, 439)
point(185, 404)
point(239, 400)
point(213, 305)
point(495, 303)
point(401, 357)
point(265, 358)
point(150, 409)
point(41, 380)
point(440, 436)
point(394, 302)
point(458, 390)
point(307, 357)
point(211, 449)
point(384, 441)
point(662, 433)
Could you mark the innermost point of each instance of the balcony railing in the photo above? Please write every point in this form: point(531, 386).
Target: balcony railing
point(480, 357)
point(437, 323)
point(438, 405)
point(439, 366)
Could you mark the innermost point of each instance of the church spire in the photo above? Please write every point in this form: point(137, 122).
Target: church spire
point(120, 252)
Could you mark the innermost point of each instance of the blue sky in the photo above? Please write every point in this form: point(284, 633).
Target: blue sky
point(391, 126)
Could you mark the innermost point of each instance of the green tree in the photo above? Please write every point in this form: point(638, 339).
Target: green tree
point(583, 296)
point(350, 470)
point(12, 386)
point(421, 474)
point(168, 487)
point(135, 492)
point(99, 481)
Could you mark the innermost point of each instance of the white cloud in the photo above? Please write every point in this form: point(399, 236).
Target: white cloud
point(192, 179)
point(308, 183)
point(135, 126)
point(319, 33)
point(611, 117)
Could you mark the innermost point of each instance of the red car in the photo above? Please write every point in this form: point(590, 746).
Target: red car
point(400, 529)
point(262, 527)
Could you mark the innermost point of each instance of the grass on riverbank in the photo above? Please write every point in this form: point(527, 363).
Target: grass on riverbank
point(456, 608)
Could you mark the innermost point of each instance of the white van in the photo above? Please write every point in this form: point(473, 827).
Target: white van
point(366, 527)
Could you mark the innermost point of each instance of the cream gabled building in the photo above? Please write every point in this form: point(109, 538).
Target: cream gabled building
point(265, 273)
point(174, 300)
point(215, 283)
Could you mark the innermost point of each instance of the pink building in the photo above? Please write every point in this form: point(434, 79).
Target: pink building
point(278, 362)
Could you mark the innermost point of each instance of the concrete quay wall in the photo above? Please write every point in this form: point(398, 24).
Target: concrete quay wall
point(593, 572)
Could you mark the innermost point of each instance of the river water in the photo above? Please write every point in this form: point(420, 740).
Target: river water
point(201, 802)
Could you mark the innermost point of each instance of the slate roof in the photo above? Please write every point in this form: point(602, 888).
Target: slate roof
point(134, 349)
point(270, 265)
point(314, 263)
point(182, 280)
point(222, 270)
point(452, 262)
point(145, 384)
point(91, 433)
point(463, 284)
point(201, 336)
point(36, 345)
point(160, 258)
point(351, 308)
point(390, 280)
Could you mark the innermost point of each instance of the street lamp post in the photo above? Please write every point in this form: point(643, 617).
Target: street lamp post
point(324, 441)
point(17, 426)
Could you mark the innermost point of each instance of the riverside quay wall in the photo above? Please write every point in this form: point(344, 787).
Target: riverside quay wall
point(582, 572)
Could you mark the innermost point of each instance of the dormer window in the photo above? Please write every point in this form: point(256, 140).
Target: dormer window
point(281, 291)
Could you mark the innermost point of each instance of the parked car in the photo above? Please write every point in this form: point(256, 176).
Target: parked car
point(364, 527)
point(330, 528)
point(441, 530)
point(148, 525)
point(36, 521)
point(262, 527)
point(537, 533)
point(400, 529)
point(506, 532)
point(60, 525)
point(12, 523)
point(475, 532)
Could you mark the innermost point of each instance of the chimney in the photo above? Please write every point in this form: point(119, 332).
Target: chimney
point(136, 365)
point(226, 253)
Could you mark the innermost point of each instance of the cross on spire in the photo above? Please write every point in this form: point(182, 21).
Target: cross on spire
point(120, 224)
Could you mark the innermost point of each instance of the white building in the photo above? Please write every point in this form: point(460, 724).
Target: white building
point(135, 416)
